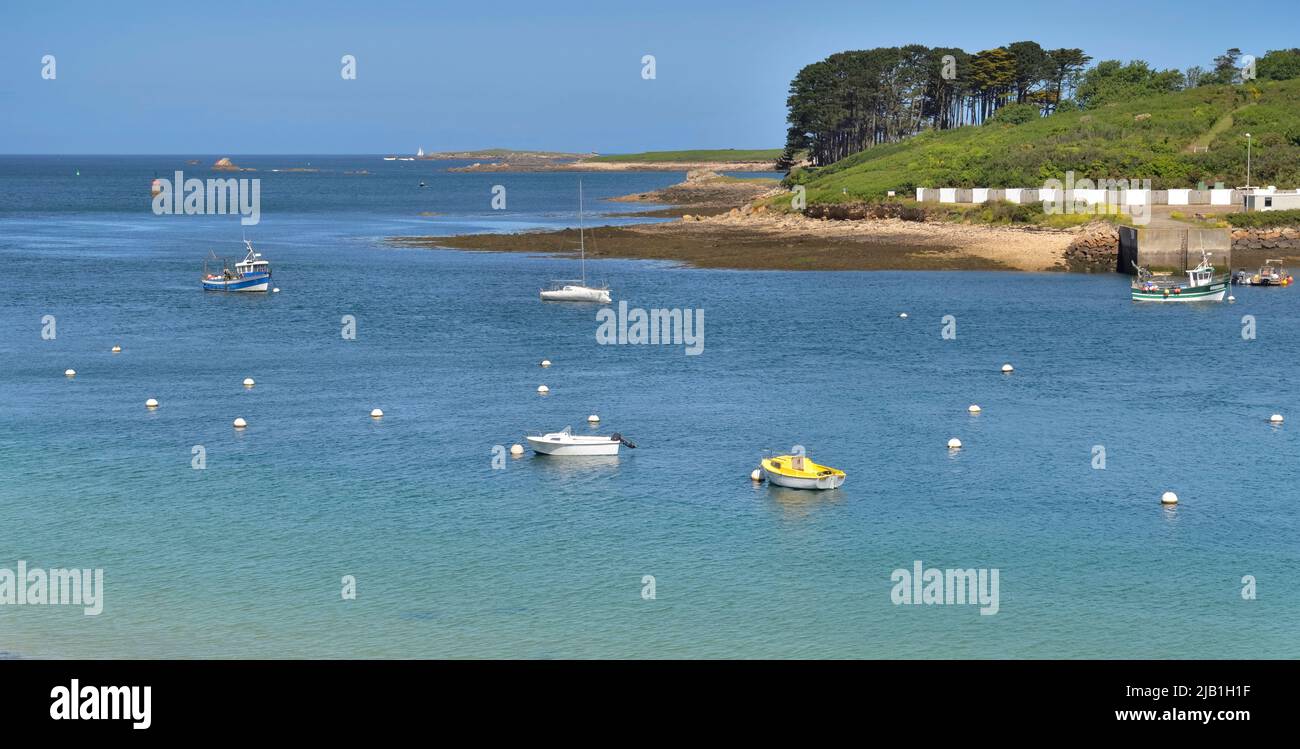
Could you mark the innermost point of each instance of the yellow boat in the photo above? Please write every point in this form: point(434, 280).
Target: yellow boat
point(798, 472)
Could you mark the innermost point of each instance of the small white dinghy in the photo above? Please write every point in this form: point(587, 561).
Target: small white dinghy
point(567, 443)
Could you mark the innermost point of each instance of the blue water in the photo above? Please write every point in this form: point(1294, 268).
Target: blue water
point(545, 557)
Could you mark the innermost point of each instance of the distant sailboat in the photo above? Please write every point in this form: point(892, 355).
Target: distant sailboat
point(577, 291)
point(420, 153)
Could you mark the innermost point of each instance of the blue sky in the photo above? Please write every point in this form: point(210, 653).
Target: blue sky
point(246, 77)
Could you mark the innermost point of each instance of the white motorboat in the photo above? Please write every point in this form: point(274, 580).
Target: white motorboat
point(577, 290)
point(567, 443)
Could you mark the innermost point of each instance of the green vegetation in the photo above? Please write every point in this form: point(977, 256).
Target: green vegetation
point(1146, 138)
point(717, 154)
point(862, 99)
point(853, 101)
point(1264, 219)
point(1001, 213)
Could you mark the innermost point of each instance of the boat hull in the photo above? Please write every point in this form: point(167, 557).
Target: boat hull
point(258, 282)
point(576, 294)
point(833, 481)
point(1212, 293)
point(543, 446)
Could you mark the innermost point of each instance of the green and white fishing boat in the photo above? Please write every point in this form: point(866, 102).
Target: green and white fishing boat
point(1202, 285)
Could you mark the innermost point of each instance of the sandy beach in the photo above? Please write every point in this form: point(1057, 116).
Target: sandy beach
point(792, 242)
point(717, 223)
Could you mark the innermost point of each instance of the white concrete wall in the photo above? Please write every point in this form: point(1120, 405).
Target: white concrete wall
point(1137, 197)
point(979, 195)
point(1093, 197)
point(947, 195)
point(1052, 194)
point(1220, 197)
point(1179, 197)
point(920, 194)
point(1013, 194)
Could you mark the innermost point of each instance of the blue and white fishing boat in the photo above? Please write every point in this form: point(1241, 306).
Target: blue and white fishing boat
point(250, 274)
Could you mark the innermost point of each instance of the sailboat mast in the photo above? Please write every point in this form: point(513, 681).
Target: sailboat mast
point(582, 245)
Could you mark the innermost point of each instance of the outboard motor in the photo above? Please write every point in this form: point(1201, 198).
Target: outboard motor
point(616, 437)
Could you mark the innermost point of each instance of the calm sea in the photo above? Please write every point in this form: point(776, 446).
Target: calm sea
point(548, 558)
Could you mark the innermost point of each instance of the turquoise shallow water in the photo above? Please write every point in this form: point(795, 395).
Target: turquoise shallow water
point(545, 558)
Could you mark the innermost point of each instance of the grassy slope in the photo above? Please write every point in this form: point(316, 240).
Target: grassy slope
point(1105, 143)
point(717, 154)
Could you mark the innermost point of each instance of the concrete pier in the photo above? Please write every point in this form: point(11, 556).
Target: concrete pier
point(1172, 250)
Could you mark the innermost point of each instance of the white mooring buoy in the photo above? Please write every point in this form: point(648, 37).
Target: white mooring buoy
point(516, 450)
point(756, 475)
point(117, 349)
point(546, 362)
point(376, 414)
point(973, 408)
point(276, 290)
point(1275, 419)
point(1168, 498)
point(593, 419)
point(1232, 298)
point(902, 315)
point(69, 373)
point(240, 423)
point(1008, 369)
point(543, 389)
point(248, 382)
point(954, 444)
point(151, 403)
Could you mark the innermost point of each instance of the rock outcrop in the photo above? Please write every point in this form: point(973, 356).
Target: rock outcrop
point(1094, 248)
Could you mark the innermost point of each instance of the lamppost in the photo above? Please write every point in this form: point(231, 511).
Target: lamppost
point(1247, 160)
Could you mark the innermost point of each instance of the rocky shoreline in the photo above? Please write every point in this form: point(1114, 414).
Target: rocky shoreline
point(724, 222)
point(586, 165)
point(1096, 248)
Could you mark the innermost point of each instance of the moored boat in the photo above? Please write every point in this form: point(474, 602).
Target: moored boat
point(250, 274)
point(566, 443)
point(798, 472)
point(1272, 273)
point(577, 290)
point(1202, 284)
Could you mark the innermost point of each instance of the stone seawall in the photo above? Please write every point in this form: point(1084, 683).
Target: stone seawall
point(1096, 248)
point(1273, 238)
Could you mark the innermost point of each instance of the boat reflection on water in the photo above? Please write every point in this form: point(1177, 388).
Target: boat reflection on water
point(798, 502)
point(584, 466)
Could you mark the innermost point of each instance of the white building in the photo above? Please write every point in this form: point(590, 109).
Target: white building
point(1271, 199)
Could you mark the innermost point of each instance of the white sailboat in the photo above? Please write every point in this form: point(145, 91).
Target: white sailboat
point(420, 153)
point(577, 290)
